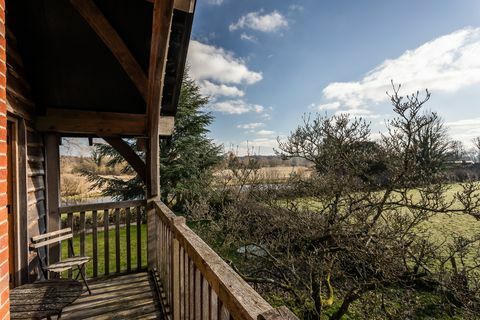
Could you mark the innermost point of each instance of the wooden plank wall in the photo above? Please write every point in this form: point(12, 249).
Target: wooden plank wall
point(31, 169)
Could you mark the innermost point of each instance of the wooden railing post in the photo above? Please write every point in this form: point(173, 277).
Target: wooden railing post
point(176, 279)
point(151, 235)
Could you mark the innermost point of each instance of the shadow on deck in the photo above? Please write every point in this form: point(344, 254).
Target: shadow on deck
point(130, 296)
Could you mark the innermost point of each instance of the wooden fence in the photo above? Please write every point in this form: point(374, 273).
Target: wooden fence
point(197, 284)
point(122, 219)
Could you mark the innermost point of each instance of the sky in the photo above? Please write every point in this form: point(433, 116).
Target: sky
point(266, 63)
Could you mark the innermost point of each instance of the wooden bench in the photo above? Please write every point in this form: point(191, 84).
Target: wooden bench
point(70, 263)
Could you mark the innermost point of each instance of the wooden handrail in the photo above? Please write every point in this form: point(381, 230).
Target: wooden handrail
point(101, 206)
point(235, 297)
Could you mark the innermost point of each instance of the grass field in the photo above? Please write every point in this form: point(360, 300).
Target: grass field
point(111, 246)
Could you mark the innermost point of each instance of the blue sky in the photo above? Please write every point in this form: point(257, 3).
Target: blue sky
point(265, 63)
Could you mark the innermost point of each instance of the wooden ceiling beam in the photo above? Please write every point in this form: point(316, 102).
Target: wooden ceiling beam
point(97, 21)
point(91, 122)
point(129, 155)
point(78, 122)
point(183, 5)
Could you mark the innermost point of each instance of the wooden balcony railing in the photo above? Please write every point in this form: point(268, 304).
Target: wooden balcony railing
point(113, 234)
point(196, 282)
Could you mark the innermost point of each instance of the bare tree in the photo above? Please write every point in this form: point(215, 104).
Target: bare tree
point(354, 233)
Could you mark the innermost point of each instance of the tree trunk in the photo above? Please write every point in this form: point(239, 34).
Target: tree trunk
point(350, 297)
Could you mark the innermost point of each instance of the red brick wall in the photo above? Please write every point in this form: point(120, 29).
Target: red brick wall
point(4, 301)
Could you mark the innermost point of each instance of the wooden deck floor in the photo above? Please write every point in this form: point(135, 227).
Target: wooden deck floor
point(129, 296)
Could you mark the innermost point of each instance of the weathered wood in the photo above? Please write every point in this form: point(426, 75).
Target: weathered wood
point(82, 233)
point(113, 41)
point(282, 313)
point(69, 248)
point(162, 20)
point(22, 205)
point(117, 240)
point(213, 275)
point(51, 241)
point(129, 155)
point(95, 243)
point(205, 300)
point(52, 167)
point(176, 279)
point(139, 237)
point(106, 245)
point(198, 294)
point(51, 234)
point(103, 124)
point(127, 236)
point(116, 297)
point(102, 206)
point(43, 299)
point(185, 5)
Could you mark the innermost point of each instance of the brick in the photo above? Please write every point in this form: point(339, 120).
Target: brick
point(3, 228)
point(4, 296)
point(5, 309)
point(3, 244)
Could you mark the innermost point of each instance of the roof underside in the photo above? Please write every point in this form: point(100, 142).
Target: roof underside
point(70, 67)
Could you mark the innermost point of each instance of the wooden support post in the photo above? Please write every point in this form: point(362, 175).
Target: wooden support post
point(22, 202)
point(52, 166)
point(162, 20)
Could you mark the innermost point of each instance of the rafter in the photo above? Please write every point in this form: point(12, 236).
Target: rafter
point(129, 155)
point(97, 21)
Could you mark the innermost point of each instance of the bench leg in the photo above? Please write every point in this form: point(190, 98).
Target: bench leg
point(80, 272)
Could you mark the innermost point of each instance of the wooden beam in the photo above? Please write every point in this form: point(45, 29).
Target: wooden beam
point(185, 5)
point(94, 17)
point(104, 124)
point(52, 172)
point(129, 155)
point(166, 125)
point(162, 20)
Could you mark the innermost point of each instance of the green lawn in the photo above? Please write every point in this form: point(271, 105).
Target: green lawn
point(101, 249)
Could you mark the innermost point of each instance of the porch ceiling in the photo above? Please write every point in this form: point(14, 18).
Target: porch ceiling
point(70, 66)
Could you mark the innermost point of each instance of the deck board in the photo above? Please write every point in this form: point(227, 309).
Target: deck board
point(129, 296)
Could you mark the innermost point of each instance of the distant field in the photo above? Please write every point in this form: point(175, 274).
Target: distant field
point(440, 227)
point(271, 174)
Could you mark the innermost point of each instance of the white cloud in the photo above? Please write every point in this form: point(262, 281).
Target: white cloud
point(215, 2)
point(445, 64)
point(263, 146)
point(327, 106)
point(265, 132)
point(252, 125)
point(211, 89)
point(248, 37)
point(212, 63)
point(270, 22)
point(236, 107)
point(464, 130)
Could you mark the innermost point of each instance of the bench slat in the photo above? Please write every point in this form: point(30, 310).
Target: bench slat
point(51, 234)
point(54, 240)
